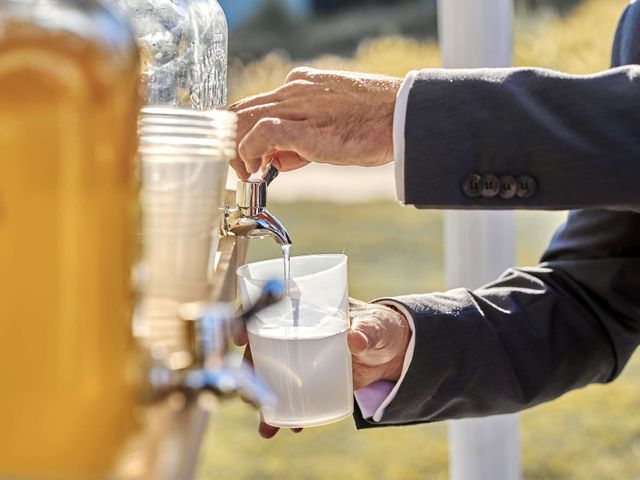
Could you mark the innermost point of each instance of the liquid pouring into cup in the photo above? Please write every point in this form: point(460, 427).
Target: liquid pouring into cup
point(299, 345)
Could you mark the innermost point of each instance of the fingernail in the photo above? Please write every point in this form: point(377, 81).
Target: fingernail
point(358, 342)
point(366, 339)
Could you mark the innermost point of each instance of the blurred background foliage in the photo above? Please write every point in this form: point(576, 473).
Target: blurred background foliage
point(589, 434)
point(579, 42)
point(307, 28)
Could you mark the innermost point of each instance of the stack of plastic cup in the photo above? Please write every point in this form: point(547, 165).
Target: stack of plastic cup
point(184, 161)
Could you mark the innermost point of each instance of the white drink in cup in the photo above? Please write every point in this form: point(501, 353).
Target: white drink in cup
point(299, 346)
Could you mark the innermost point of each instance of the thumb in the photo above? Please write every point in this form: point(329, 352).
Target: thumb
point(358, 342)
point(362, 337)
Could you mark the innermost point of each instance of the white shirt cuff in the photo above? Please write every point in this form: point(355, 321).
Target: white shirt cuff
point(379, 411)
point(399, 122)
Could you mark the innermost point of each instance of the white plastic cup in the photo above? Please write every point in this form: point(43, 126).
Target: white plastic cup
point(184, 157)
point(299, 346)
point(182, 192)
point(181, 201)
point(177, 264)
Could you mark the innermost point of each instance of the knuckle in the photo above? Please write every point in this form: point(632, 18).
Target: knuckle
point(243, 116)
point(366, 325)
point(298, 73)
point(294, 87)
point(266, 127)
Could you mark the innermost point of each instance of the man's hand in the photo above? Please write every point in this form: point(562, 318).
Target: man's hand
point(340, 118)
point(378, 340)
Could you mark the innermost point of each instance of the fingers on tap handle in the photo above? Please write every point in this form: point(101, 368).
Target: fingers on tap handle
point(269, 135)
point(286, 161)
point(239, 166)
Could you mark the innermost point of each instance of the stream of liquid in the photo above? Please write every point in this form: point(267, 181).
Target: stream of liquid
point(293, 294)
point(286, 256)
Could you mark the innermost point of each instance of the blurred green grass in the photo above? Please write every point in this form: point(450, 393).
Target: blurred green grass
point(589, 434)
point(368, 234)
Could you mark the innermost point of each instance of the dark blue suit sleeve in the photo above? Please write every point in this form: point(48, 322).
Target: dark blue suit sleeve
point(533, 334)
point(578, 137)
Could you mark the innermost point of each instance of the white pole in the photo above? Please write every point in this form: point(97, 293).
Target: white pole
point(479, 245)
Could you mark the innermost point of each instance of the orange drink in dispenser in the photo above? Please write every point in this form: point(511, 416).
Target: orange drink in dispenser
point(68, 209)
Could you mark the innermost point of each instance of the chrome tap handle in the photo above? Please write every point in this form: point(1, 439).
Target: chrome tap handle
point(209, 330)
point(251, 196)
point(271, 174)
point(211, 321)
point(229, 382)
point(250, 217)
point(272, 293)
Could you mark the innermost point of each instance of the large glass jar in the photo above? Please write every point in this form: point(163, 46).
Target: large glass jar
point(183, 48)
point(69, 99)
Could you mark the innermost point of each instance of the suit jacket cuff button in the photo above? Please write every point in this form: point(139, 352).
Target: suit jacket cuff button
point(471, 185)
point(508, 187)
point(526, 187)
point(490, 186)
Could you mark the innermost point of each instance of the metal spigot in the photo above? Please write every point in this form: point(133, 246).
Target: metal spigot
point(209, 328)
point(250, 218)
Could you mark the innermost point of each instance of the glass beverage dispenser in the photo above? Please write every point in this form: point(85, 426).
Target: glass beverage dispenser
point(183, 48)
point(68, 206)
